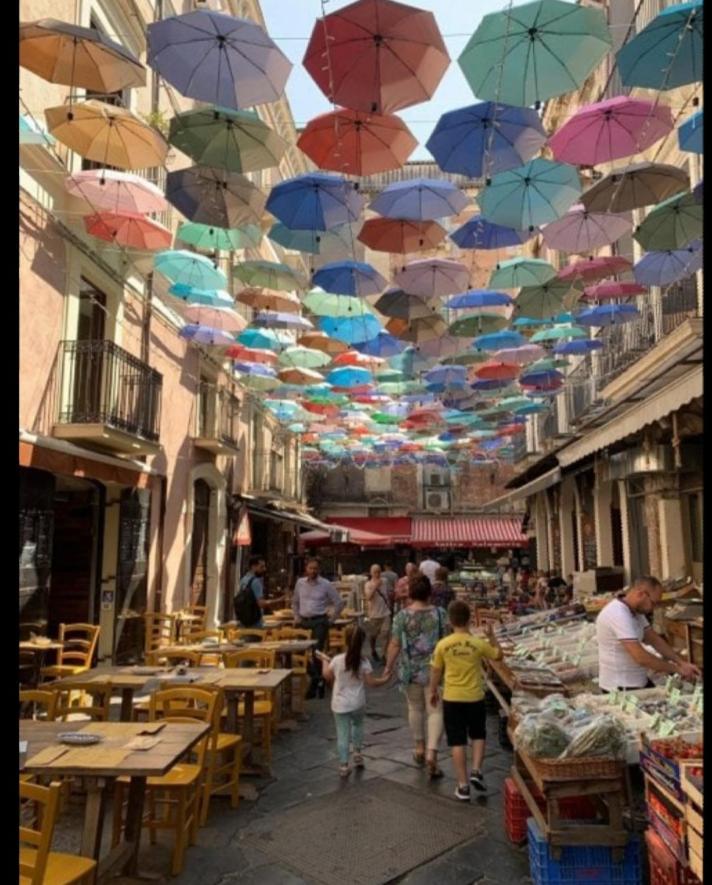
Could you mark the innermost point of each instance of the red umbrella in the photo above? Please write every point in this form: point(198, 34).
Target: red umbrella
point(595, 268)
point(354, 358)
point(251, 355)
point(133, 231)
point(317, 409)
point(394, 235)
point(613, 289)
point(357, 143)
point(496, 371)
point(377, 56)
point(359, 390)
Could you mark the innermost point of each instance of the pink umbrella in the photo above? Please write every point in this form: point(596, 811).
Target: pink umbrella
point(591, 269)
point(133, 231)
point(251, 355)
point(223, 318)
point(433, 277)
point(613, 289)
point(520, 356)
point(608, 130)
point(583, 231)
point(115, 191)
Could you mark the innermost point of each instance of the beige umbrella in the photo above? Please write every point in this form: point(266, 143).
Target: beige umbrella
point(107, 134)
point(321, 341)
point(300, 376)
point(269, 299)
point(418, 331)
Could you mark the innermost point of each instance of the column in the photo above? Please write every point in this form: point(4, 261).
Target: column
point(541, 525)
point(673, 559)
point(106, 616)
point(625, 530)
point(566, 509)
point(602, 520)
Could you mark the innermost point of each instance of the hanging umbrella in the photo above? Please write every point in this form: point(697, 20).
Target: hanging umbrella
point(397, 235)
point(581, 347)
point(215, 239)
point(107, 134)
point(383, 345)
point(376, 56)
point(205, 335)
point(354, 357)
point(113, 191)
point(634, 187)
point(339, 242)
point(349, 376)
point(223, 318)
point(214, 197)
point(697, 191)
point(548, 378)
point(30, 132)
point(664, 268)
point(521, 355)
point(217, 58)
point(321, 341)
point(409, 362)
point(591, 269)
point(265, 339)
point(357, 142)
point(559, 333)
point(497, 340)
point(420, 199)
point(190, 269)
point(583, 231)
point(326, 304)
point(83, 58)
point(518, 272)
point(613, 290)
point(251, 355)
point(608, 315)
point(486, 138)
point(351, 329)
point(317, 201)
point(417, 331)
point(689, 135)
point(534, 51)
point(478, 298)
point(545, 300)
point(470, 358)
point(400, 304)
point(299, 376)
point(433, 277)
point(672, 224)
point(208, 297)
point(349, 278)
point(269, 299)
point(668, 52)
point(477, 324)
point(495, 371)
point(271, 274)
point(257, 377)
point(131, 230)
point(234, 140)
point(273, 319)
point(531, 195)
point(609, 130)
point(477, 233)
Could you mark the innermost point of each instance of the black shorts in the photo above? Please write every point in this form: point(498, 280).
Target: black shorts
point(464, 719)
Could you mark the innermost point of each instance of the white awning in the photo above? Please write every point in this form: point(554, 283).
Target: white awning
point(545, 481)
point(653, 408)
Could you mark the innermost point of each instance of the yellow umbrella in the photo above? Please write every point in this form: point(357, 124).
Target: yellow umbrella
point(107, 134)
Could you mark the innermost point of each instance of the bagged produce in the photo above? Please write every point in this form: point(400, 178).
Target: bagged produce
point(541, 736)
point(605, 735)
point(555, 705)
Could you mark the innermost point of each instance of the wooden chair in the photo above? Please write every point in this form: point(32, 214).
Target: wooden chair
point(300, 675)
point(84, 698)
point(38, 704)
point(337, 641)
point(249, 634)
point(39, 865)
point(250, 657)
point(79, 641)
point(293, 633)
point(175, 658)
point(160, 630)
point(173, 800)
point(264, 711)
point(222, 776)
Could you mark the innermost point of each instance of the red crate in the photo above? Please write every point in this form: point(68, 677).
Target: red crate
point(516, 811)
point(665, 869)
point(577, 808)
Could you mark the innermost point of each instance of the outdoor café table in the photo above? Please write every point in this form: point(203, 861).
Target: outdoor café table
point(175, 739)
point(284, 649)
point(27, 645)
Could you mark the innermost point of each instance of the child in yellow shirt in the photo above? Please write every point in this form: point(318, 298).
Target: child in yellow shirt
point(459, 657)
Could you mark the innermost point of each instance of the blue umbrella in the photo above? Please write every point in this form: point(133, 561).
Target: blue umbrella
point(383, 345)
point(206, 335)
point(489, 384)
point(446, 375)
point(264, 339)
point(668, 52)
point(349, 278)
point(499, 340)
point(351, 329)
point(245, 367)
point(478, 298)
point(664, 268)
point(689, 135)
point(273, 319)
point(529, 322)
point(579, 347)
point(349, 376)
point(541, 379)
point(317, 201)
point(478, 233)
point(486, 138)
point(419, 199)
point(190, 269)
point(207, 297)
point(608, 315)
point(335, 242)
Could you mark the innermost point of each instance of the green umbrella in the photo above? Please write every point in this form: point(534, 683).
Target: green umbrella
point(259, 382)
point(400, 388)
point(518, 272)
point(535, 51)
point(558, 333)
point(543, 301)
point(270, 274)
point(213, 239)
point(512, 403)
point(325, 304)
point(303, 358)
point(470, 358)
point(547, 365)
point(234, 140)
point(383, 418)
point(390, 375)
point(672, 224)
point(477, 324)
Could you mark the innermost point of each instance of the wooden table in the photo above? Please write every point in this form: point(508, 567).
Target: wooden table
point(39, 651)
point(176, 740)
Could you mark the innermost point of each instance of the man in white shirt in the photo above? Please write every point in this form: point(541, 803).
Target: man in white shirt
point(428, 567)
point(621, 630)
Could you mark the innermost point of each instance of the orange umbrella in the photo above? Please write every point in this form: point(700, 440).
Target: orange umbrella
point(497, 371)
point(132, 230)
point(269, 299)
point(396, 235)
point(354, 358)
point(321, 341)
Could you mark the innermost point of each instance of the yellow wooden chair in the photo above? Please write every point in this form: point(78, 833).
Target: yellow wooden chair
point(222, 776)
point(293, 633)
point(160, 631)
point(336, 643)
point(264, 711)
point(175, 658)
point(38, 704)
point(83, 699)
point(300, 676)
point(39, 865)
point(79, 641)
point(249, 634)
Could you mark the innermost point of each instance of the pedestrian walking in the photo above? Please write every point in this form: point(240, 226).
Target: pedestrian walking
point(429, 566)
point(350, 672)
point(250, 602)
point(443, 595)
point(391, 579)
point(457, 660)
point(417, 629)
point(377, 621)
point(401, 597)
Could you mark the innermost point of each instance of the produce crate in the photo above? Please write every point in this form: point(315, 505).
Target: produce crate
point(581, 863)
point(665, 869)
point(692, 786)
point(516, 811)
point(659, 767)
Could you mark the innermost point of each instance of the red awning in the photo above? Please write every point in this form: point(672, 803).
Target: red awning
point(475, 531)
point(356, 536)
point(398, 528)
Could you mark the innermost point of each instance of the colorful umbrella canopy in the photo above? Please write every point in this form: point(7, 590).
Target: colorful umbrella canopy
point(382, 56)
point(336, 243)
point(383, 345)
point(265, 339)
point(545, 300)
point(477, 324)
point(521, 355)
point(401, 305)
point(257, 377)
point(531, 195)
point(433, 277)
point(668, 52)
point(496, 371)
point(30, 132)
point(583, 231)
point(534, 51)
point(317, 201)
point(321, 341)
point(215, 239)
point(673, 224)
point(214, 197)
point(209, 297)
point(269, 299)
point(251, 355)
point(107, 134)
point(206, 335)
point(418, 331)
point(349, 376)
point(271, 274)
point(326, 304)
point(82, 58)
point(689, 135)
point(478, 298)
point(351, 329)
point(190, 269)
point(357, 142)
point(634, 187)
point(498, 340)
point(234, 140)
point(664, 268)
point(613, 290)
point(594, 268)
point(227, 61)
point(608, 315)
point(478, 233)
point(223, 318)
point(273, 319)
point(349, 278)
point(400, 236)
point(354, 357)
point(517, 272)
point(559, 333)
point(131, 230)
point(486, 138)
point(420, 199)
point(299, 376)
point(580, 347)
point(118, 192)
point(609, 130)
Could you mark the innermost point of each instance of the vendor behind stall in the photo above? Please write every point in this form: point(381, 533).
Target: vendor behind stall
point(622, 628)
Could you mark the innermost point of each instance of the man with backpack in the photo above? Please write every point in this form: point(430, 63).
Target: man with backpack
point(250, 601)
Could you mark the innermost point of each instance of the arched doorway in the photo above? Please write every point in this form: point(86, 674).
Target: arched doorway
point(199, 542)
point(206, 540)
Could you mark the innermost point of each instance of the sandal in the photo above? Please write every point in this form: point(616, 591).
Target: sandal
point(434, 771)
point(344, 770)
point(419, 759)
point(358, 761)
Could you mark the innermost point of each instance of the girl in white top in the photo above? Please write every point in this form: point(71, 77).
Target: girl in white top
point(350, 673)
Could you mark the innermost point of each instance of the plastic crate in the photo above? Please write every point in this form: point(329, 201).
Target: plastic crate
point(516, 812)
point(580, 864)
point(665, 869)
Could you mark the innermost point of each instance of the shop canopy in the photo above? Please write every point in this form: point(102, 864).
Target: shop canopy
point(475, 531)
point(396, 528)
point(355, 536)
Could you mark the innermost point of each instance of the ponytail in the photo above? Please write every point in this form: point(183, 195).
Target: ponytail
point(354, 643)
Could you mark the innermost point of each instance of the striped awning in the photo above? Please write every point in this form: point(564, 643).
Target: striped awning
point(474, 531)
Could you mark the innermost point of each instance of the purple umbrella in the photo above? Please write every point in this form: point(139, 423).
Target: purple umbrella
point(273, 319)
point(206, 335)
point(433, 277)
point(664, 268)
point(583, 231)
point(420, 199)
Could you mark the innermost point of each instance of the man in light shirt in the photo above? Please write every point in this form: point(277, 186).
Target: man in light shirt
point(313, 596)
point(428, 567)
point(622, 628)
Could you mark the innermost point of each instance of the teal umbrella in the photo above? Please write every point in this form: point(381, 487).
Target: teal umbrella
point(212, 239)
point(326, 304)
point(530, 195)
point(270, 274)
point(558, 333)
point(518, 272)
point(189, 269)
point(672, 224)
point(536, 51)
point(338, 242)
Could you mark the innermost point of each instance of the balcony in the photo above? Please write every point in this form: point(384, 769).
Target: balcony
point(107, 398)
point(217, 420)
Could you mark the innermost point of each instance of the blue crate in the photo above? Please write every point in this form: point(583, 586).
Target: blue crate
point(580, 864)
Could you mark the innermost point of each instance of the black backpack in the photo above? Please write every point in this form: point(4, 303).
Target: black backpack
point(247, 611)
